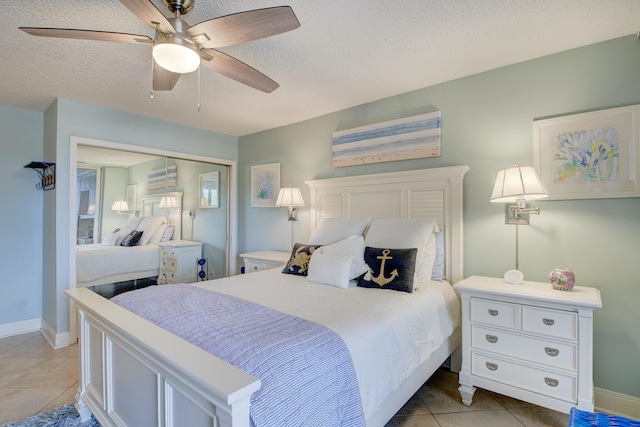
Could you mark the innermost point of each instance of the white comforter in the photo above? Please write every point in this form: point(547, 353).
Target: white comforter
point(95, 262)
point(388, 333)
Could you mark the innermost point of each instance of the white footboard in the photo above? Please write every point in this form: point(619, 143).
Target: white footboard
point(134, 373)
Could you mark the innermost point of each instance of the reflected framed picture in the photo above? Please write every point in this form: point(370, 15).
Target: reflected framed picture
point(592, 155)
point(132, 197)
point(265, 185)
point(209, 190)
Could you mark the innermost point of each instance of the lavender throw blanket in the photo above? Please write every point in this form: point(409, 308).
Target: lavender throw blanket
point(305, 369)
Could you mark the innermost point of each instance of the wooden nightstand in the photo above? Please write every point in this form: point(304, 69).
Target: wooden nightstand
point(264, 260)
point(178, 261)
point(528, 341)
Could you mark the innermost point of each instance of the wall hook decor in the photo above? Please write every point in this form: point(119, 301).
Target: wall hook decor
point(46, 172)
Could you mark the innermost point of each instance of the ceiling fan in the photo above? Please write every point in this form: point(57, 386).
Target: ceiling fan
point(179, 48)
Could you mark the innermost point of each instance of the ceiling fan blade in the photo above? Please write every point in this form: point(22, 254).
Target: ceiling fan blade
point(163, 79)
point(68, 33)
point(239, 71)
point(245, 26)
point(149, 14)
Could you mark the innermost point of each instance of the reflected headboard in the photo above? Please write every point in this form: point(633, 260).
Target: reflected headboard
point(425, 193)
point(151, 207)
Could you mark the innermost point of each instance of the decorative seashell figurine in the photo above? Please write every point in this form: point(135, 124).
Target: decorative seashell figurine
point(562, 279)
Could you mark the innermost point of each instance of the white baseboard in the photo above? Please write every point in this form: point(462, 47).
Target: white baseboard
point(616, 403)
point(22, 327)
point(56, 340)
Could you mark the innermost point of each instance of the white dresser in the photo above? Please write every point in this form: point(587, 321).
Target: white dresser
point(178, 261)
point(528, 341)
point(264, 260)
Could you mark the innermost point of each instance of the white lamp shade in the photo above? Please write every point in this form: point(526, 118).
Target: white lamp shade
point(168, 202)
point(120, 205)
point(176, 55)
point(518, 183)
point(289, 197)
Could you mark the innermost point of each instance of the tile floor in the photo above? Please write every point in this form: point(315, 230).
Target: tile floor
point(34, 377)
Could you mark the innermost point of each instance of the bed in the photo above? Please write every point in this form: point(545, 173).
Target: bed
point(100, 264)
point(134, 372)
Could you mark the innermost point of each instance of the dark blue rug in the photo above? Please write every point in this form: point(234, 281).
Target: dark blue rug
point(63, 416)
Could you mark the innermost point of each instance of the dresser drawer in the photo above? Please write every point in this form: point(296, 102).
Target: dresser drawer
point(499, 313)
point(554, 354)
point(551, 322)
point(559, 386)
point(170, 264)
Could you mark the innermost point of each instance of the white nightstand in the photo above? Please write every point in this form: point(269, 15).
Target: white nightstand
point(528, 341)
point(264, 260)
point(178, 261)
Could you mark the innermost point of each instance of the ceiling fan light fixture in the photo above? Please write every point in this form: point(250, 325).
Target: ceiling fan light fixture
point(176, 55)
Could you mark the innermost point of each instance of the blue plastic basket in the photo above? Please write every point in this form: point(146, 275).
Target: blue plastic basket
point(579, 418)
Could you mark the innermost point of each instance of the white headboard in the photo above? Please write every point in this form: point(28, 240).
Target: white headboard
point(425, 193)
point(151, 207)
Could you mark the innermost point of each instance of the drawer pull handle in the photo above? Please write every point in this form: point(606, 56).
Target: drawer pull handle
point(553, 352)
point(493, 312)
point(548, 322)
point(551, 382)
point(493, 366)
point(492, 339)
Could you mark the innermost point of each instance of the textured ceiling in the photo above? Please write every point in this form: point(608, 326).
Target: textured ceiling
point(344, 54)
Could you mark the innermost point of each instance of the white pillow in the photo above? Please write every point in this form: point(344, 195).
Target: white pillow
point(352, 246)
point(134, 222)
point(438, 266)
point(148, 226)
point(329, 269)
point(330, 230)
point(157, 235)
point(110, 239)
point(406, 234)
point(168, 233)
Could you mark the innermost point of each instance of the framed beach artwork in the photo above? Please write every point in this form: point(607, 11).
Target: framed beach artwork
point(132, 197)
point(265, 185)
point(163, 178)
point(402, 139)
point(209, 190)
point(589, 155)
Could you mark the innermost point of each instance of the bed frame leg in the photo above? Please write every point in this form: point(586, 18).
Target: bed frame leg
point(82, 408)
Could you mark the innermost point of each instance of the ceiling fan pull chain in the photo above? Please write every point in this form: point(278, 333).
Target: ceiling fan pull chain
point(198, 104)
point(151, 96)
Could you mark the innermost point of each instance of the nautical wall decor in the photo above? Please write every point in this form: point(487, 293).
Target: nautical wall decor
point(402, 139)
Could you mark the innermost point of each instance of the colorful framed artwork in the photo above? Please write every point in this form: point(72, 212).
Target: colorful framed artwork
point(209, 190)
point(402, 139)
point(265, 185)
point(591, 155)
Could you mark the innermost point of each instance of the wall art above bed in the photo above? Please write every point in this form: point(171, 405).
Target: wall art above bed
point(402, 139)
point(592, 155)
point(162, 178)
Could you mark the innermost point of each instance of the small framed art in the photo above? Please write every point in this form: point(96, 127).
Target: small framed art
point(265, 184)
point(209, 190)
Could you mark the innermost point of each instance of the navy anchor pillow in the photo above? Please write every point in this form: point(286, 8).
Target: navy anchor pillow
point(389, 269)
point(298, 264)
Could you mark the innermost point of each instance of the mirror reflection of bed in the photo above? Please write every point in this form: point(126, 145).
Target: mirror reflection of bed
point(106, 176)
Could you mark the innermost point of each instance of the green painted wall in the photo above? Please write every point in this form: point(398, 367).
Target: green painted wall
point(487, 124)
